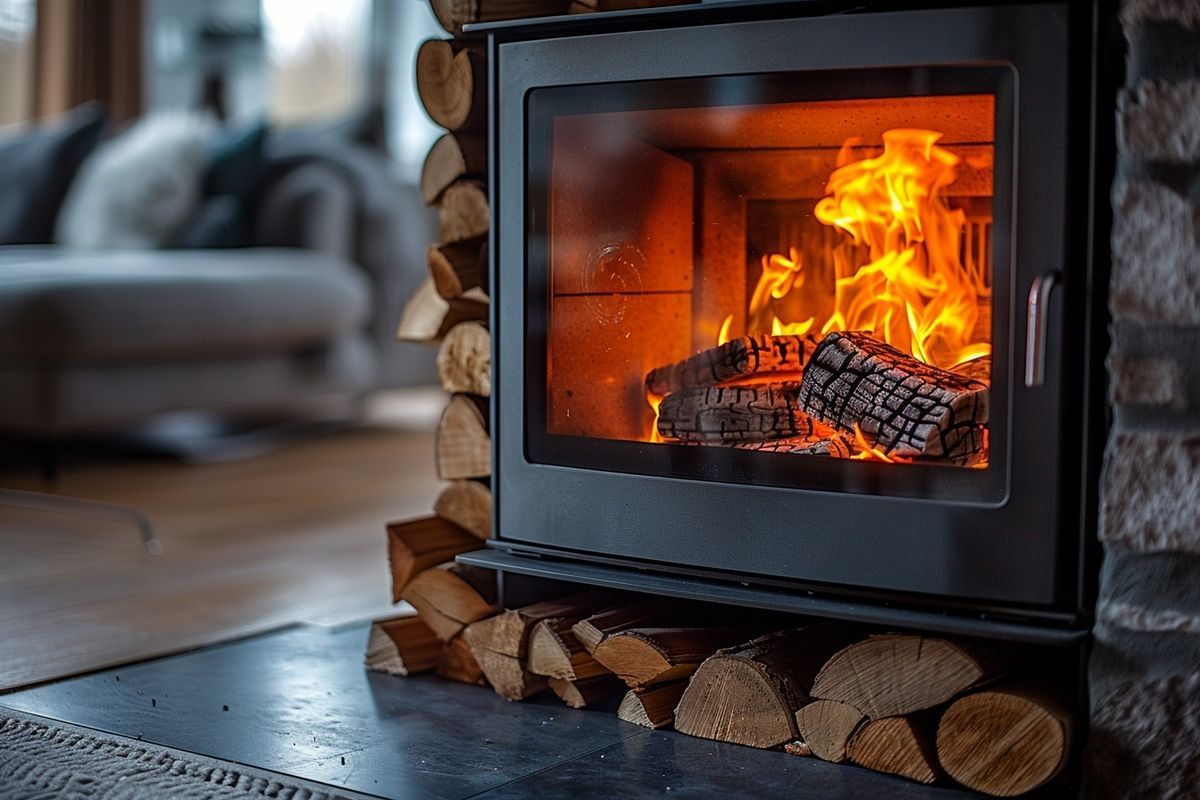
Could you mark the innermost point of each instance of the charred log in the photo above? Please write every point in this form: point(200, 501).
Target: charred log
point(732, 414)
point(738, 358)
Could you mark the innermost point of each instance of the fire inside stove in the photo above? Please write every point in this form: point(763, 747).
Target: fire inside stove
point(803, 279)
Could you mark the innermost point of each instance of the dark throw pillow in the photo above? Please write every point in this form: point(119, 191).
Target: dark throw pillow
point(236, 168)
point(37, 166)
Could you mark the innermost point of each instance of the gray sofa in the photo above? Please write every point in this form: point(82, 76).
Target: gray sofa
point(96, 340)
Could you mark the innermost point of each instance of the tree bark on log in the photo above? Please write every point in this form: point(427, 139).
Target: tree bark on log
point(463, 448)
point(897, 674)
point(464, 360)
point(1006, 740)
point(586, 691)
point(458, 266)
point(750, 694)
point(458, 663)
point(736, 414)
point(402, 646)
point(556, 653)
point(506, 675)
point(644, 656)
point(451, 597)
point(467, 504)
point(428, 317)
point(420, 544)
point(453, 14)
point(652, 706)
point(463, 212)
point(451, 82)
point(900, 405)
point(745, 357)
point(827, 726)
point(898, 746)
point(454, 157)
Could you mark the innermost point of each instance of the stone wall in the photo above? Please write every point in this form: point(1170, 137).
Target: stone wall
point(1145, 668)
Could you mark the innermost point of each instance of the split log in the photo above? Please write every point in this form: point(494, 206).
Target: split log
point(506, 675)
point(452, 83)
point(903, 407)
point(467, 504)
point(463, 448)
point(833, 446)
point(458, 663)
point(827, 726)
point(1006, 740)
point(735, 414)
point(898, 746)
point(458, 266)
point(420, 544)
point(643, 656)
point(750, 694)
point(737, 359)
point(652, 706)
point(427, 317)
point(463, 212)
point(451, 597)
point(589, 6)
point(556, 653)
point(586, 692)
point(508, 633)
point(402, 646)
point(464, 360)
point(590, 632)
point(453, 157)
point(897, 674)
point(453, 14)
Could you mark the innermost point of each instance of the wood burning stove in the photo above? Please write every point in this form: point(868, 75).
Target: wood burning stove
point(792, 305)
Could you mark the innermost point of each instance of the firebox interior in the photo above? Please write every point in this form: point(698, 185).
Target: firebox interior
point(672, 228)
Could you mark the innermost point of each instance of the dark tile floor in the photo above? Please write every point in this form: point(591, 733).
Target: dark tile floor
point(298, 701)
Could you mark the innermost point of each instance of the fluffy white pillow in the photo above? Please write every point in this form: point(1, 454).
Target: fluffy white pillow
point(139, 188)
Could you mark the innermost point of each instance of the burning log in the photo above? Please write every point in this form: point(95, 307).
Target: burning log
point(733, 414)
point(467, 504)
point(832, 446)
point(458, 266)
point(979, 369)
point(827, 726)
point(652, 706)
point(586, 692)
point(402, 646)
point(453, 157)
point(556, 653)
point(1005, 740)
point(464, 360)
point(643, 656)
point(420, 544)
point(750, 694)
point(738, 358)
point(897, 674)
point(903, 407)
point(451, 82)
point(463, 448)
point(898, 746)
point(451, 597)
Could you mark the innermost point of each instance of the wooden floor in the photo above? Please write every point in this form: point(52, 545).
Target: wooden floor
point(296, 535)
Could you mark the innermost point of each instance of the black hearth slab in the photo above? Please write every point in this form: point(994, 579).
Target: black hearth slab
point(299, 702)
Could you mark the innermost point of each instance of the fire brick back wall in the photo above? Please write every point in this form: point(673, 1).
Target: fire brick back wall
point(1145, 669)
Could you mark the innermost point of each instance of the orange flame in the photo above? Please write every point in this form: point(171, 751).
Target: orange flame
point(865, 451)
point(899, 273)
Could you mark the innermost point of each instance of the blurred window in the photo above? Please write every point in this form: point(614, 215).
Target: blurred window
point(316, 57)
point(16, 60)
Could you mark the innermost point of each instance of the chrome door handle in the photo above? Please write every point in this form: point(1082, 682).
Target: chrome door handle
point(1037, 326)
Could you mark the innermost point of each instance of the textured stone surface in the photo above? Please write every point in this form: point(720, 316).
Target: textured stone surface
point(1185, 12)
point(1144, 741)
point(1156, 255)
point(1160, 580)
point(1160, 120)
point(1130, 617)
point(1150, 493)
point(1146, 381)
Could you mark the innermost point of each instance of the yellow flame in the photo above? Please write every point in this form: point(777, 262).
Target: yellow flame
point(869, 452)
point(899, 273)
point(723, 336)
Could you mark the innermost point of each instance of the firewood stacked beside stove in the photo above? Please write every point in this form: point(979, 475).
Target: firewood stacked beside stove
point(837, 396)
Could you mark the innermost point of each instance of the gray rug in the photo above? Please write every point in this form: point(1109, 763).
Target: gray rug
point(42, 759)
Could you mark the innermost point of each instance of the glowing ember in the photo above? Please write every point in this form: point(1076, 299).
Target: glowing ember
point(865, 451)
